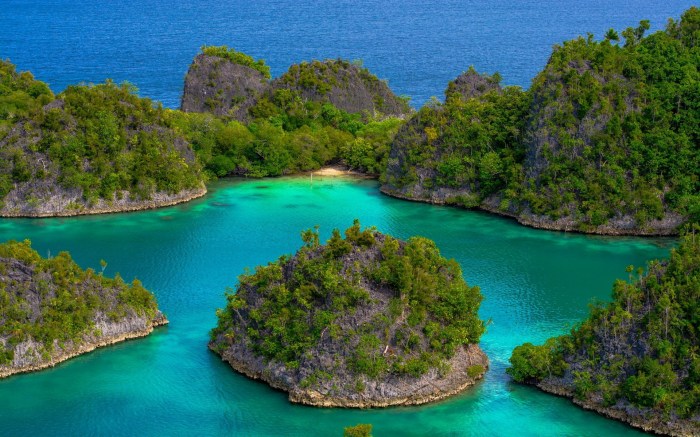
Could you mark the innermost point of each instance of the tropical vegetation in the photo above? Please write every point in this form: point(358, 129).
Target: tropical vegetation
point(51, 301)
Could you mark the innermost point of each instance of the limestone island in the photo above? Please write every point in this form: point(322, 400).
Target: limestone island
point(363, 321)
point(52, 310)
point(605, 140)
point(636, 359)
point(88, 150)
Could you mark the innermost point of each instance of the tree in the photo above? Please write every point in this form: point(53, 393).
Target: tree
point(360, 430)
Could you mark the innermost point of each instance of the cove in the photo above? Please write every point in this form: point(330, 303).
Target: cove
point(535, 284)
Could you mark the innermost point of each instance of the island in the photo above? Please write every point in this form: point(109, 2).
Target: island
point(52, 310)
point(636, 359)
point(365, 320)
point(88, 150)
point(604, 141)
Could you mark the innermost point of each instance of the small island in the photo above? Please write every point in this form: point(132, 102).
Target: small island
point(363, 321)
point(52, 310)
point(91, 149)
point(636, 359)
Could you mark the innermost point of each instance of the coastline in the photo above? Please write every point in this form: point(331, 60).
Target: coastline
point(104, 208)
point(89, 346)
point(542, 223)
point(681, 428)
point(429, 389)
point(337, 170)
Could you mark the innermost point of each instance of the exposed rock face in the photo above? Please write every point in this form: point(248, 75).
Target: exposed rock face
point(393, 391)
point(346, 86)
point(29, 355)
point(624, 412)
point(53, 201)
point(51, 310)
point(471, 84)
point(222, 87)
point(362, 347)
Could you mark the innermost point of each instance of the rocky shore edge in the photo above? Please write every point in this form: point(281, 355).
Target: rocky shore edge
point(667, 227)
point(159, 200)
point(89, 344)
point(430, 388)
point(631, 416)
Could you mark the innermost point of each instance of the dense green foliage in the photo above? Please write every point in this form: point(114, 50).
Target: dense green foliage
point(288, 135)
point(237, 58)
point(619, 126)
point(472, 142)
point(642, 348)
point(20, 95)
point(316, 113)
point(608, 130)
point(54, 299)
point(414, 303)
point(102, 139)
point(359, 430)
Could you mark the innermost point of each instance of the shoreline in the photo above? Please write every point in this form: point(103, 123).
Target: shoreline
point(335, 171)
point(647, 425)
point(524, 221)
point(342, 171)
point(86, 348)
point(314, 398)
point(182, 197)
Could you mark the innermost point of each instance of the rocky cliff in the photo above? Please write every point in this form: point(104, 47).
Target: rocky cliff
point(345, 85)
point(227, 83)
point(222, 87)
point(51, 310)
point(364, 321)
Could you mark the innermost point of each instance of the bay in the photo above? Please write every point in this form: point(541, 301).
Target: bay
point(535, 283)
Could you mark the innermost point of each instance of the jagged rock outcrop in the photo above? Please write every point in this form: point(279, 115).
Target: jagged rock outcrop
point(51, 310)
point(218, 82)
point(222, 87)
point(346, 86)
point(471, 84)
point(365, 321)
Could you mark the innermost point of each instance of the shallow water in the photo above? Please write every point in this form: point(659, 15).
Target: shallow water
point(535, 283)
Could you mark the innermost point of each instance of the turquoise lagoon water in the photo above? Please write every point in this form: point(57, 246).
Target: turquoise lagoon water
point(535, 283)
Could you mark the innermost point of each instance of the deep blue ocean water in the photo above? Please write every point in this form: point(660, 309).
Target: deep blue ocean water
point(417, 45)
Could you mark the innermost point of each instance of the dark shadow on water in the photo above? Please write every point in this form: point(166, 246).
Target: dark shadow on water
point(221, 204)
